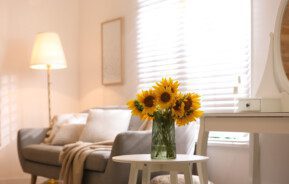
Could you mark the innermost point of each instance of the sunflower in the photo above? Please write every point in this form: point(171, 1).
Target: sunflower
point(135, 107)
point(198, 113)
point(196, 101)
point(178, 109)
point(148, 101)
point(192, 101)
point(168, 83)
point(189, 117)
point(165, 97)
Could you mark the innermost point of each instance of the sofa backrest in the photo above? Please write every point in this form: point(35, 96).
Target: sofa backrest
point(135, 122)
point(185, 135)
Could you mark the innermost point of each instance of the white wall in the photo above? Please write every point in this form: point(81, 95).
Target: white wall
point(92, 13)
point(274, 159)
point(23, 95)
point(228, 164)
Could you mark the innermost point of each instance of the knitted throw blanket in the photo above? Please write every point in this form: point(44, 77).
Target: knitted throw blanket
point(73, 157)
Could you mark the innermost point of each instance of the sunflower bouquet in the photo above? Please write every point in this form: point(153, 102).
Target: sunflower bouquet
point(166, 105)
point(165, 98)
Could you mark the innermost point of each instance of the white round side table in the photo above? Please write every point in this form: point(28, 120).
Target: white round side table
point(182, 164)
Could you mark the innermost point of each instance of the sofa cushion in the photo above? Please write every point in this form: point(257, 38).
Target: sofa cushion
point(135, 123)
point(42, 153)
point(48, 154)
point(105, 124)
point(59, 120)
point(67, 133)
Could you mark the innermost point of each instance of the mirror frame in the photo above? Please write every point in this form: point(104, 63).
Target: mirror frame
point(279, 71)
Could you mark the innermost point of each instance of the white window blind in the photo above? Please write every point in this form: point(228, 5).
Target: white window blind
point(205, 44)
point(161, 43)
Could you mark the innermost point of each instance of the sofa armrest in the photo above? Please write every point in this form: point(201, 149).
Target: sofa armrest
point(132, 142)
point(29, 136)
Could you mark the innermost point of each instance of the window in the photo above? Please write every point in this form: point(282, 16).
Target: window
point(205, 44)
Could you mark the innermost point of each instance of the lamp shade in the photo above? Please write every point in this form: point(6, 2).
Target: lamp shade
point(47, 52)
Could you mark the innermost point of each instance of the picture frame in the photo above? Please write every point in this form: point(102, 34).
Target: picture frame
point(112, 51)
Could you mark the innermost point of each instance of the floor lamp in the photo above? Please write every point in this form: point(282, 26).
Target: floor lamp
point(47, 54)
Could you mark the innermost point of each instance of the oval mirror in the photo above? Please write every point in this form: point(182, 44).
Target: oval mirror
point(284, 41)
point(281, 47)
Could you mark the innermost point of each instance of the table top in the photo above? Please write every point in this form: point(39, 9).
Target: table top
point(248, 114)
point(146, 158)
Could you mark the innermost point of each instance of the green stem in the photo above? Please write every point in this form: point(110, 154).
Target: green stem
point(163, 140)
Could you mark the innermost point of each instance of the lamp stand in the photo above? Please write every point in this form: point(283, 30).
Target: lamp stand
point(50, 181)
point(49, 95)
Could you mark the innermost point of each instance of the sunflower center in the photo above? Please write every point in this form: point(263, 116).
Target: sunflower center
point(165, 97)
point(188, 104)
point(177, 107)
point(149, 101)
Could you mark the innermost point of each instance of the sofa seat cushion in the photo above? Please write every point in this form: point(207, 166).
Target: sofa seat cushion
point(48, 154)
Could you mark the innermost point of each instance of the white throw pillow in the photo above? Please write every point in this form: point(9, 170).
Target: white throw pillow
point(59, 120)
point(105, 124)
point(67, 133)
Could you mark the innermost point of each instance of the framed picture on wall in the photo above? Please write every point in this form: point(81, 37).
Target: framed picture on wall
point(112, 51)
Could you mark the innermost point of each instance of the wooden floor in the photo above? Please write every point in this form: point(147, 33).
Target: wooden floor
point(41, 180)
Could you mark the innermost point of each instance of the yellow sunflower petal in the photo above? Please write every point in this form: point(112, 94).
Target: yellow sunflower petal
point(178, 110)
point(148, 101)
point(134, 109)
point(198, 113)
point(186, 120)
point(178, 107)
point(195, 95)
point(168, 83)
point(192, 101)
point(147, 117)
point(196, 105)
point(165, 98)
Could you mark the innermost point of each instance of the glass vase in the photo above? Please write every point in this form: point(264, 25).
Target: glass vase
point(163, 137)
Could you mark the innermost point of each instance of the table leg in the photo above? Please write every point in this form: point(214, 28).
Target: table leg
point(146, 173)
point(133, 173)
point(188, 174)
point(173, 177)
point(254, 159)
point(202, 150)
point(202, 172)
